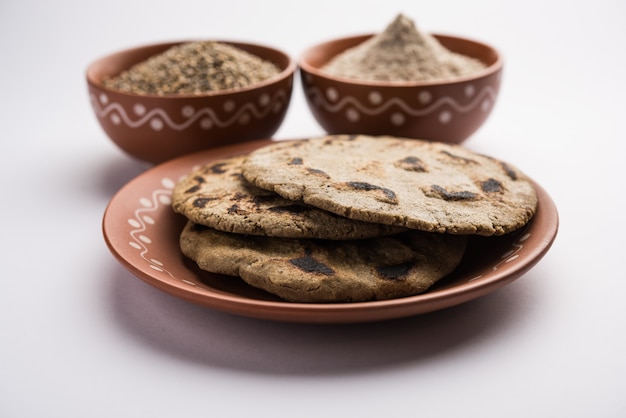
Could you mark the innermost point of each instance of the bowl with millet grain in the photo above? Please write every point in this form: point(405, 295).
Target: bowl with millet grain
point(402, 82)
point(160, 101)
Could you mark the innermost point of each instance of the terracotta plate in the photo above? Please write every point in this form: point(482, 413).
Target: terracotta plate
point(142, 232)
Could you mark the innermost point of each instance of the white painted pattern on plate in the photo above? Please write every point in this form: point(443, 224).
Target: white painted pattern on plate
point(142, 220)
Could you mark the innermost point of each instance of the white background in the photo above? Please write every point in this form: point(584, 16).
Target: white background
point(82, 337)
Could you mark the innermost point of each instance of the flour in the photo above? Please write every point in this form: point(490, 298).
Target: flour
point(402, 53)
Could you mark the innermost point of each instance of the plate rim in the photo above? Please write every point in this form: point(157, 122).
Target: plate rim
point(347, 312)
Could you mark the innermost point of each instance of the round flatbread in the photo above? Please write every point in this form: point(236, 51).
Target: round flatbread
point(216, 195)
point(300, 270)
point(423, 185)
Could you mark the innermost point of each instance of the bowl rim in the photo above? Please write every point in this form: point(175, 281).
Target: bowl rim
point(285, 73)
point(305, 66)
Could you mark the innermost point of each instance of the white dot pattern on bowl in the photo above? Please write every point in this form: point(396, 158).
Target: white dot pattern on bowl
point(187, 111)
point(332, 94)
point(139, 109)
point(443, 107)
point(445, 117)
point(352, 115)
point(398, 119)
point(244, 119)
point(375, 98)
point(229, 106)
point(158, 119)
point(156, 124)
point(206, 123)
point(424, 97)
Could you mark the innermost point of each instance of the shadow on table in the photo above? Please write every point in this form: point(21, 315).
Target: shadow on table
point(207, 337)
point(116, 173)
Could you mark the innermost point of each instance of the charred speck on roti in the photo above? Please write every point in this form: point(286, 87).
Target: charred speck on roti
point(459, 158)
point(317, 172)
point(198, 180)
point(395, 272)
point(491, 186)
point(201, 202)
point(236, 210)
point(289, 209)
point(193, 189)
point(310, 265)
point(411, 163)
point(295, 161)
point(509, 171)
point(239, 196)
point(219, 168)
point(361, 185)
point(452, 196)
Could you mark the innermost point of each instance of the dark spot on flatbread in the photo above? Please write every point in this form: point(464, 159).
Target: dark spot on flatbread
point(317, 172)
point(310, 265)
point(396, 271)
point(509, 171)
point(448, 195)
point(459, 158)
point(202, 201)
point(192, 189)
point(361, 185)
point(491, 186)
point(236, 210)
point(240, 196)
point(290, 209)
point(218, 168)
point(295, 161)
point(412, 163)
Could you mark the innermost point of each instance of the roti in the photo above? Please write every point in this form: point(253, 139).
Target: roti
point(217, 195)
point(417, 184)
point(302, 270)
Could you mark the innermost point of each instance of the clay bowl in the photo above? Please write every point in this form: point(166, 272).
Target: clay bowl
point(446, 111)
point(157, 128)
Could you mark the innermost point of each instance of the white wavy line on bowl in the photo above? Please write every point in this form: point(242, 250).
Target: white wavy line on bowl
point(508, 256)
point(318, 97)
point(133, 233)
point(103, 112)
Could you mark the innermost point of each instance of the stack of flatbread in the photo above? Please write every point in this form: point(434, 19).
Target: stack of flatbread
point(347, 218)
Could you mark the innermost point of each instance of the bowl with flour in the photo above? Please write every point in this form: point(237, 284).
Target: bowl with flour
point(161, 101)
point(402, 82)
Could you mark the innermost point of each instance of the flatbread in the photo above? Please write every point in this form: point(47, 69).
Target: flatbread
point(300, 270)
point(216, 195)
point(429, 186)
